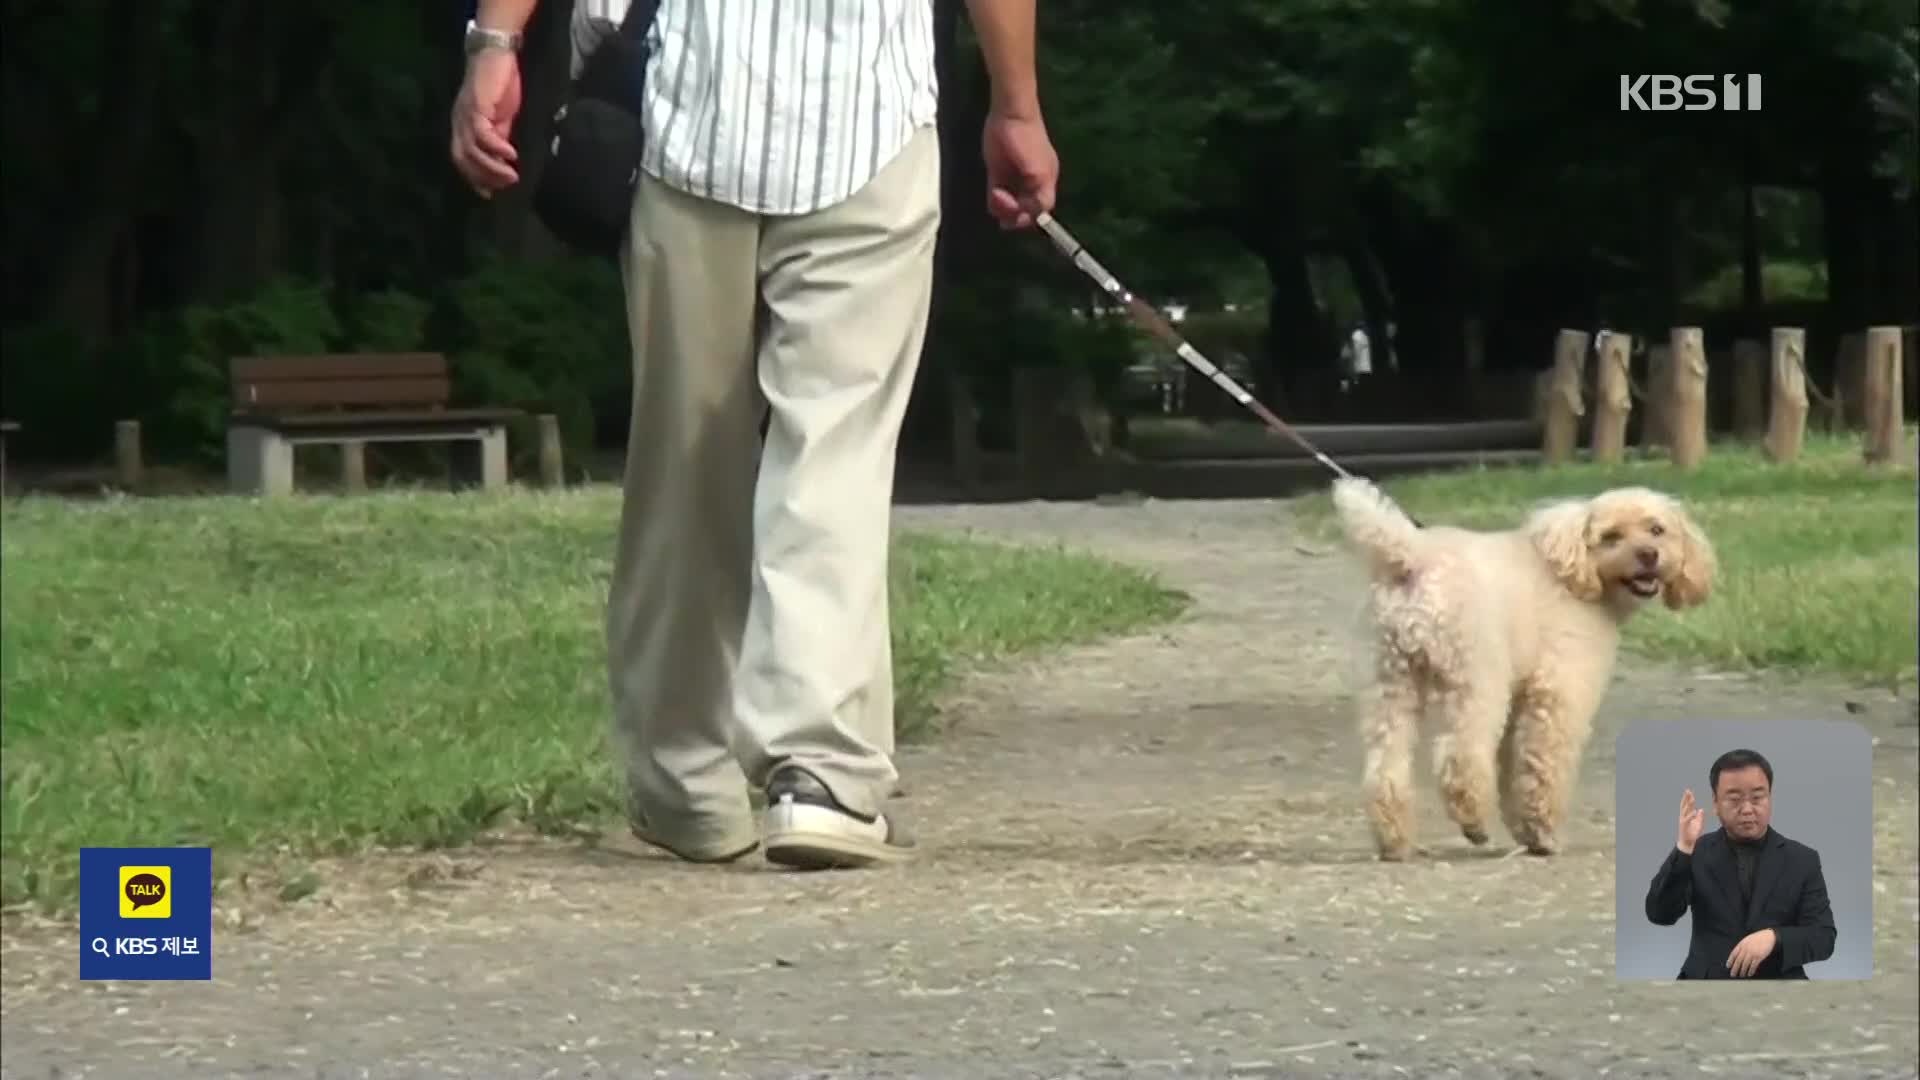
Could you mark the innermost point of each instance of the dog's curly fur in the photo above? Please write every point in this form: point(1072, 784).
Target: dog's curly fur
point(1504, 642)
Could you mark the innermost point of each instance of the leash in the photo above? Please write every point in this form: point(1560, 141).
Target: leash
point(1146, 317)
point(1150, 320)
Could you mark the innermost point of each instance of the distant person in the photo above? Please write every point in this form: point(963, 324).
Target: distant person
point(779, 264)
point(1759, 901)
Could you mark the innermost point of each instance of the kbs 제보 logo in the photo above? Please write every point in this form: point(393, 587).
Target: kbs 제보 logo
point(146, 913)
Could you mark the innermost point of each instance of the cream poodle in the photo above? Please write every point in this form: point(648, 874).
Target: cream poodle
point(1504, 643)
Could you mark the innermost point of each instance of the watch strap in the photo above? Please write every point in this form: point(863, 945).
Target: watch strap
point(480, 38)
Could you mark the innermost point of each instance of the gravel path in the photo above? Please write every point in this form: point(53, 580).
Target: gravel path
point(1143, 858)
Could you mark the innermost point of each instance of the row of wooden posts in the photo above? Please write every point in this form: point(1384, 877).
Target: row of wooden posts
point(1676, 394)
point(130, 462)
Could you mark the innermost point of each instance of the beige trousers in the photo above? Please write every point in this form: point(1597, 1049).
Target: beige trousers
point(747, 622)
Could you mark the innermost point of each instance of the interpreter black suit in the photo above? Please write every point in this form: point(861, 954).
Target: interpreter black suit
point(1789, 897)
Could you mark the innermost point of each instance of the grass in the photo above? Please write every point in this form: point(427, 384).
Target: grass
point(396, 669)
point(1817, 559)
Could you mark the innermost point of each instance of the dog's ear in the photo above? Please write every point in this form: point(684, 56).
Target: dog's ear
point(1559, 533)
point(1691, 584)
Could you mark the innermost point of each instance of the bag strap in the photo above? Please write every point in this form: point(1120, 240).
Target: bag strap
point(639, 19)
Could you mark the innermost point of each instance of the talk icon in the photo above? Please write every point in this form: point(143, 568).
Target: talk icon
point(146, 892)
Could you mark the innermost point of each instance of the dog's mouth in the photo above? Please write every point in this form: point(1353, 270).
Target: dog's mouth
point(1645, 584)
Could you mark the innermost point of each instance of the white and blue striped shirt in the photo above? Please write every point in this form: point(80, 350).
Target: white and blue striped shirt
point(778, 106)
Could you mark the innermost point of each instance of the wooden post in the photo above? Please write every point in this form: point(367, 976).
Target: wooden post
point(259, 461)
point(129, 468)
point(493, 458)
point(1749, 389)
point(353, 465)
point(1612, 398)
point(1688, 419)
point(1849, 383)
point(1880, 394)
point(1787, 417)
point(552, 463)
point(1564, 404)
point(1539, 390)
point(1910, 370)
point(1659, 397)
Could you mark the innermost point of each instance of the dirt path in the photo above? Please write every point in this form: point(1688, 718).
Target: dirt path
point(1143, 858)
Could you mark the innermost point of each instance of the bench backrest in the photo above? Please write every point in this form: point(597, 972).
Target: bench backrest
point(280, 383)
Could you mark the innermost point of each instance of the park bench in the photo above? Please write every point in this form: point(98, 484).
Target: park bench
point(280, 402)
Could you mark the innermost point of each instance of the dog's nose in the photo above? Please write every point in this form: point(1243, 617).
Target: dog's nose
point(1647, 556)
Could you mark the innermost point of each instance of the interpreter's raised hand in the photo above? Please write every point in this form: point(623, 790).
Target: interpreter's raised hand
point(1023, 170)
point(1692, 821)
point(483, 115)
point(1745, 958)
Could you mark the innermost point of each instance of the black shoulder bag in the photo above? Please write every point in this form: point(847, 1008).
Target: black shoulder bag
point(585, 192)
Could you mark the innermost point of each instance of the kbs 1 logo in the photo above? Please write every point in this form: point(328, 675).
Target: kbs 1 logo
point(1689, 93)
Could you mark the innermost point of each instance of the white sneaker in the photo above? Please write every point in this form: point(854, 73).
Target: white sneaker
point(808, 829)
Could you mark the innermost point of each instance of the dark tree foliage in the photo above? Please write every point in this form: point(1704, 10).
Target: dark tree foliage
point(206, 178)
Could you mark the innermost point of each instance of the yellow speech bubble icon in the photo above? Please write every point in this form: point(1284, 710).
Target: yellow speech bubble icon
point(146, 892)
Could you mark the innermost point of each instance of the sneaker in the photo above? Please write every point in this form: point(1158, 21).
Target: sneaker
point(646, 836)
point(725, 852)
point(808, 829)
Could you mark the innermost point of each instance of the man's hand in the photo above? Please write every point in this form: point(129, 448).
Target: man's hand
point(483, 115)
point(1692, 821)
point(1745, 958)
point(1022, 168)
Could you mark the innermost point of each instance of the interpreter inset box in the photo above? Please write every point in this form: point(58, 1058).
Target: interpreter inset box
point(1744, 850)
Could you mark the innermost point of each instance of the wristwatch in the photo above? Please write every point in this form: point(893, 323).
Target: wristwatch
point(479, 38)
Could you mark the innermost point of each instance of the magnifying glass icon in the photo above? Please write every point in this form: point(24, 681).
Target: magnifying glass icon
point(100, 946)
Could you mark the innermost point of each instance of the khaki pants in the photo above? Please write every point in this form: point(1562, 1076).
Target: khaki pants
point(747, 622)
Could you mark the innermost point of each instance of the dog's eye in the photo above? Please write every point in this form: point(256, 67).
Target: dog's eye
point(1611, 536)
point(1656, 529)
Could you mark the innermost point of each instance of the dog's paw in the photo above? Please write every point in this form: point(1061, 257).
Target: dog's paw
point(1475, 834)
point(1542, 842)
point(1398, 854)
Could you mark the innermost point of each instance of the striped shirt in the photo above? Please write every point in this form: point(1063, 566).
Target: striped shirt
point(783, 106)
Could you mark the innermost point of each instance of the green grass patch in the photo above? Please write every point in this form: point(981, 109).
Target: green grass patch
point(399, 669)
point(1817, 558)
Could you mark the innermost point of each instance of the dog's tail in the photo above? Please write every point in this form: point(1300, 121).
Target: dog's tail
point(1377, 525)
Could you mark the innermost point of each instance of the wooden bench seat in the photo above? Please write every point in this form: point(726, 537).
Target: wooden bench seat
point(280, 402)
